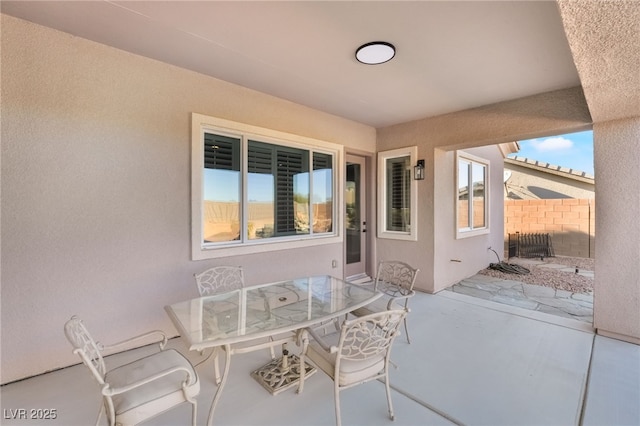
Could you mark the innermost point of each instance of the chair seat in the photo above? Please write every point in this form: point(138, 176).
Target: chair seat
point(149, 399)
point(351, 371)
point(377, 305)
point(358, 353)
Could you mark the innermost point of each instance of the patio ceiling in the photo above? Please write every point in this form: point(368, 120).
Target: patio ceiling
point(451, 56)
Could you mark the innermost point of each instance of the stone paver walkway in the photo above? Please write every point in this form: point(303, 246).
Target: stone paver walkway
point(578, 306)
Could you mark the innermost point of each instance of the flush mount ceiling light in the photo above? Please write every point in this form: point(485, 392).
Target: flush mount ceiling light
point(377, 52)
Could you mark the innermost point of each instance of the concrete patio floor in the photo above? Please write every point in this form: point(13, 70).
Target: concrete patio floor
point(471, 362)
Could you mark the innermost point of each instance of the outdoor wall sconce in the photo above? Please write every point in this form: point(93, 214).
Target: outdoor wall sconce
point(418, 170)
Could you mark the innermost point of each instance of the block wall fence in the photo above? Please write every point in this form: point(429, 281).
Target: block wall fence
point(570, 222)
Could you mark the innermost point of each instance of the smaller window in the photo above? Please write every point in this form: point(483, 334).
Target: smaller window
point(221, 187)
point(397, 194)
point(322, 197)
point(472, 213)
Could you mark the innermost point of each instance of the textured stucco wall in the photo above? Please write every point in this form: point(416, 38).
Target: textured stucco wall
point(454, 259)
point(603, 37)
point(96, 190)
point(540, 115)
point(617, 286)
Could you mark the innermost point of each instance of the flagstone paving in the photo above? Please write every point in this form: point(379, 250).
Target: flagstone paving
point(578, 306)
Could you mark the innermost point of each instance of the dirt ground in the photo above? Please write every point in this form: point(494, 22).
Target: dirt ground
point(547, 277)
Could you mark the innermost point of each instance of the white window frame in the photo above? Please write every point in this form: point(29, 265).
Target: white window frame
point(383, 232)
point(471, 231)
point(201, 124)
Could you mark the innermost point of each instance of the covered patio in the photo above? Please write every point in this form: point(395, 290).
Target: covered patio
point(102, 202)
point(470, 362)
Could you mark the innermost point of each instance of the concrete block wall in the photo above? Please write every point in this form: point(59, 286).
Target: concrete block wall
point(570, 222)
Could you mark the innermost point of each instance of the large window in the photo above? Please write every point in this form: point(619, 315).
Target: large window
point(253, 186)
point(472, 196)
point(397, 194)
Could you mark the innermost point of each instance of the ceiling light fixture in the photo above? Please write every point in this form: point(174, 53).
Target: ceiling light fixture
point(376, 52)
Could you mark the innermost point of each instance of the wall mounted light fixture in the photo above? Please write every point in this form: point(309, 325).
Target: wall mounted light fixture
point(418, 170)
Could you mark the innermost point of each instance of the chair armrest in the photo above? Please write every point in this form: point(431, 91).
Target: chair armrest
point(321, 342)
point(396, 299)
point(109, 391)
point(162, 340)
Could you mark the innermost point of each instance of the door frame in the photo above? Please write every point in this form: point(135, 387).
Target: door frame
point(366, 215)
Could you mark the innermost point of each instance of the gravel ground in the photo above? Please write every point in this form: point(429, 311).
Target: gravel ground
point(547, 277)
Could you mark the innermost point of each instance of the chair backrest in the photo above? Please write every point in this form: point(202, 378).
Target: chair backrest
point(219, 279)
point(395, 278)
point(85, 347)
point(369, 336)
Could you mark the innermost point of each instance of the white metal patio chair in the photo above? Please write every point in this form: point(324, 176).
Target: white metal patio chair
point(357, 354)
point(137, 391)
point(220, 279)
point(395, 280)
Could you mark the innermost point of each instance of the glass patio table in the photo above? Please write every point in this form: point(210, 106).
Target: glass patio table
point(262, 311)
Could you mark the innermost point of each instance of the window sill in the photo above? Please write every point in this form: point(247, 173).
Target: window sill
point(405, 236)
point(214, 252)
point(468, 234)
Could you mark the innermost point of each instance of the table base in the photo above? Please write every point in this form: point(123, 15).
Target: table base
point(275, 378)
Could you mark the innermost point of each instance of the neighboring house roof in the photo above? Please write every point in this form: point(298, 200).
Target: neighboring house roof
point(549, 168)
point(531, 179)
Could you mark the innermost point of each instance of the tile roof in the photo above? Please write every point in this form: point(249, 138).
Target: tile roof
point(546, 167)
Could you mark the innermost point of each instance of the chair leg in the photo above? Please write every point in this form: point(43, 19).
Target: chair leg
point(303, 340)
point(216, 370)
point(191, 400)
point(194, 412)
point(388, 387)
point(406, 330)
point(336, 395)
point(100, 413)
point(109, 412)
point(302, 374)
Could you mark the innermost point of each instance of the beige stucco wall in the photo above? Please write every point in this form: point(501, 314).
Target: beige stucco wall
point(603, 37)
point(442, 259)
point(617, 287)
point(454, 259)
point(617, 165)
point(95, 185)
point(96, 190)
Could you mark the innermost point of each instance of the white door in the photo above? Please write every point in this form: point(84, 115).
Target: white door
point(355, 217)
